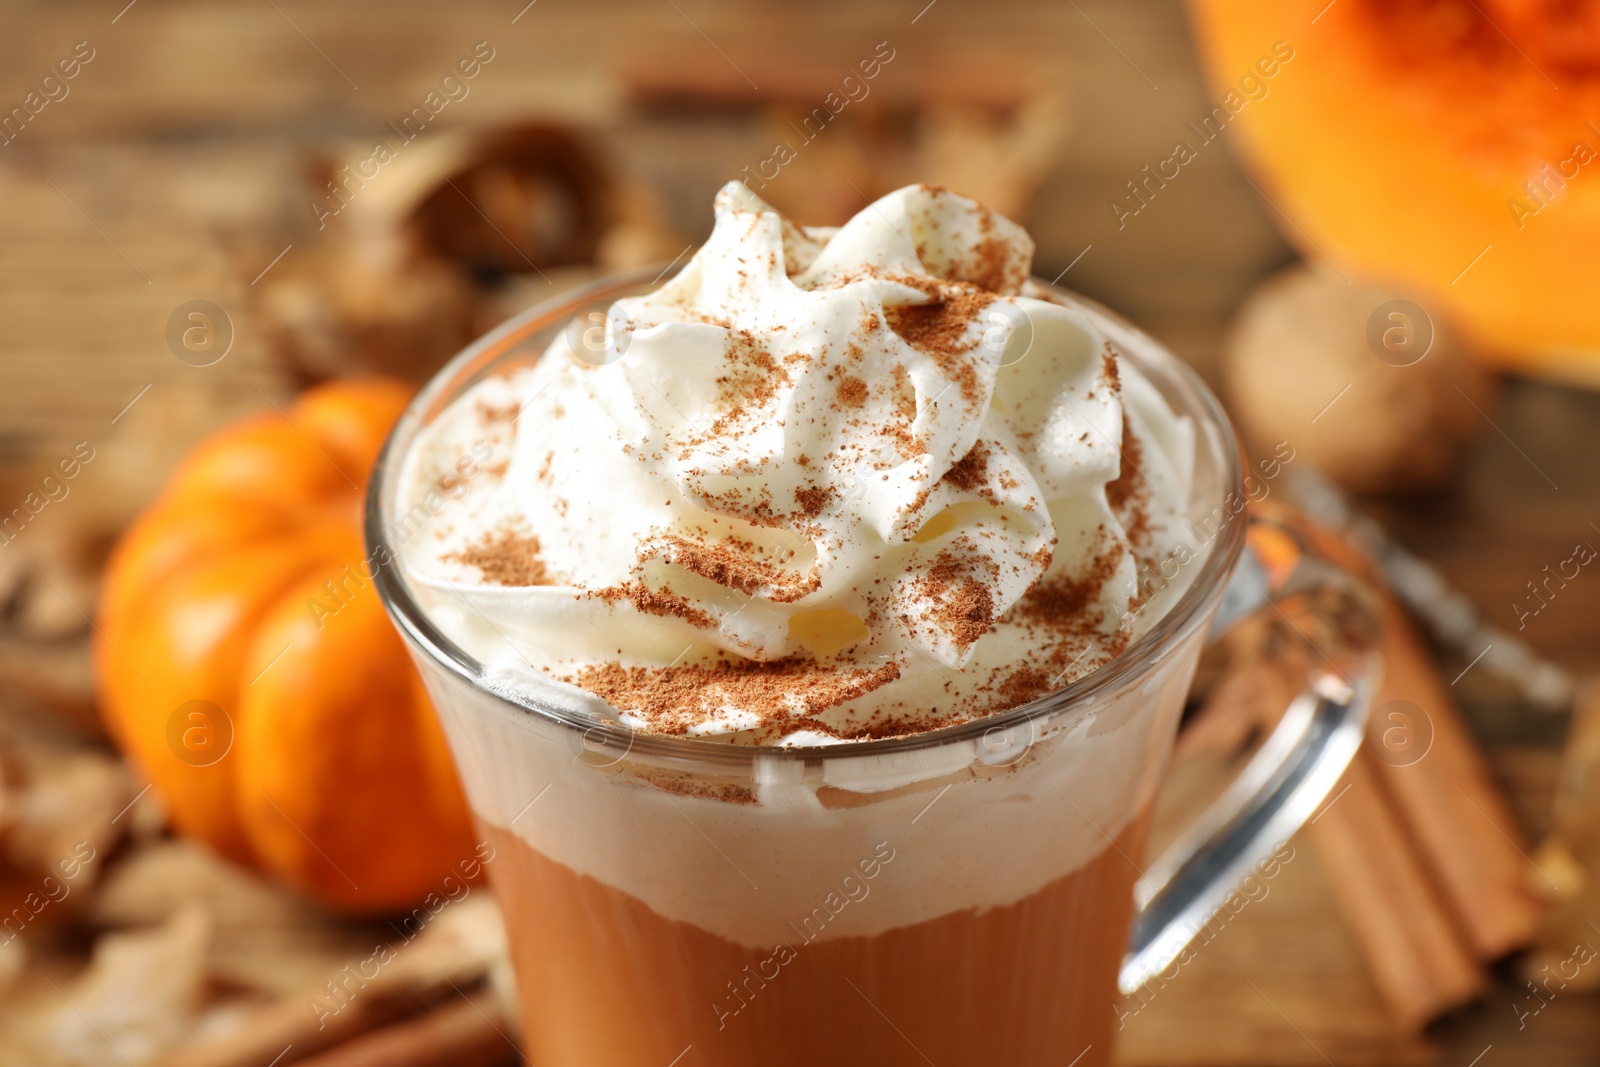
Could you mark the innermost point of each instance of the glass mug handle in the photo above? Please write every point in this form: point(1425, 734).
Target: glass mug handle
point(1294, 769)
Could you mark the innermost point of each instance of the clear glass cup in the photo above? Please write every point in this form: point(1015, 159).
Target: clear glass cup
point(962, 896)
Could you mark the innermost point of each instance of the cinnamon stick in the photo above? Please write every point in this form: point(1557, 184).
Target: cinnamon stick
point(1418, 959)
point(1390, 859)
point(1449, 801)
point(1444, 791)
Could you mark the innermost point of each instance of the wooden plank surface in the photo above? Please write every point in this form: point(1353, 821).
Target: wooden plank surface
point(174, 171)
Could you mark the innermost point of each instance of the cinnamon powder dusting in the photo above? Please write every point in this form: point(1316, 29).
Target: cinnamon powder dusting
point(905, 393)
point(492, 413)
point(1063, 604)
point(684, 786)
point(1128, 481)
point(813, 499)
point(506, 558)
point(971, 471)
point(852, 391)
point(1129, 495)
point(673, 698)
point(754, 378)
point(1067, 623)
point(962, 606)
point(657, 602)
point(1023, 685)
point(989, 266)
point(940, 331)
point(733, 567)
point(1108, 365)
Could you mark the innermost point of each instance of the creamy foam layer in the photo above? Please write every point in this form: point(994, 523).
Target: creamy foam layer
point(835, 847)
point(823, 484)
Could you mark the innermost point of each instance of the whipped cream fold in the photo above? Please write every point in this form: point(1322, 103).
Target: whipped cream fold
point(825, 483)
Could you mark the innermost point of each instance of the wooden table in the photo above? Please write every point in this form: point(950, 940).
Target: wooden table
point(173, 171)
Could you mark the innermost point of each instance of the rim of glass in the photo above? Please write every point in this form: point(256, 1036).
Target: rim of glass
point(1190, 611)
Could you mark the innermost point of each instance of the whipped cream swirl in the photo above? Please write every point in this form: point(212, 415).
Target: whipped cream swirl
point(824, 483)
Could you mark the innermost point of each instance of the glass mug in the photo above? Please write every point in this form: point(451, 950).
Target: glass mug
point(961, 896)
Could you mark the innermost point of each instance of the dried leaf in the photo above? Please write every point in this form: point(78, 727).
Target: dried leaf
point(137, 998)
point(264, 937)
point(64, 810)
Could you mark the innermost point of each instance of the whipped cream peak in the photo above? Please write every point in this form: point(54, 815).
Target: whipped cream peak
point(837, 482)
point(919, 231)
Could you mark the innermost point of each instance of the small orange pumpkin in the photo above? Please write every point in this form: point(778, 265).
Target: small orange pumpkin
point(246, 666)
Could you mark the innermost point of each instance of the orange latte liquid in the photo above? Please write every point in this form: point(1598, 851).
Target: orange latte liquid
point(605, 981)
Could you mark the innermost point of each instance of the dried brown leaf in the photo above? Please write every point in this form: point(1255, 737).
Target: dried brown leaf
point(138, 997)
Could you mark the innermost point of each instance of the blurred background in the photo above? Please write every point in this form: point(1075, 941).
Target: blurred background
point(1366, 225)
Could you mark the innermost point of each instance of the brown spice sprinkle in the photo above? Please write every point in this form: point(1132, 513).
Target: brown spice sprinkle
point(657, 602)
point(852, 391)
point(990, 266)
point(758, 511)
point(1068, 626)
point(672, 698)
point(966, 614)
point(876, 727)
point(1069, 621)
point(963, 607)
point(1108, 364)
point(1128, 480)
point(679, 785)
point(506, 558)
point(1025, 684)
point(753, 380)
point(970, 471)
point(1063, 603)
point(1129, 494)
point(490, 413)
point(812, 499)
point(939, 330)
point(908, 444)
point(905, 393)
point(732, 567)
